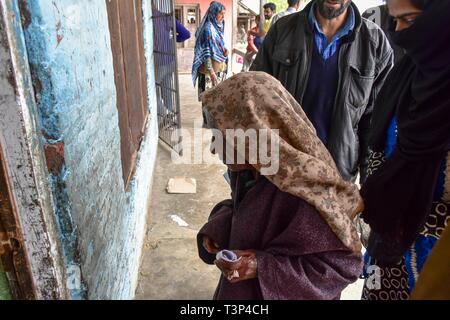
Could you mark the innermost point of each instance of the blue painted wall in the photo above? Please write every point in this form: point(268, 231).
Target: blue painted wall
point(102, 226)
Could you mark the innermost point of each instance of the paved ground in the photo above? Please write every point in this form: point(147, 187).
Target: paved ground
point(170, 267)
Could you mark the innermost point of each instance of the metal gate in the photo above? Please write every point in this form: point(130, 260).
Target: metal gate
point(166, 75)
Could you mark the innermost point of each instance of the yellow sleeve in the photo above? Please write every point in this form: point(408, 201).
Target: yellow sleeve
point(267, 24)
point(434, 280)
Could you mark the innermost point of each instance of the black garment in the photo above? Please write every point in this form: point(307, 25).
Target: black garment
point(241, 183)
point(365, 58)
point(321, 92)
point(398, 197)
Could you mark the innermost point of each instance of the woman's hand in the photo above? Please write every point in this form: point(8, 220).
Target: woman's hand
point(214, 80)
point(359, 209)
point(210, 245)
point(244, 269)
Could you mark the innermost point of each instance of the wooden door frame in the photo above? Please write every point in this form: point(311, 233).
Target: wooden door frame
point(30, 242)
point(12, 254)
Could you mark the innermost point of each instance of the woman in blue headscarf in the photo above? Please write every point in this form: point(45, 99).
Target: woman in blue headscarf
point(210, 59)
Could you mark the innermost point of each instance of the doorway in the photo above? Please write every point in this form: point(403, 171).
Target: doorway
point(189, 16)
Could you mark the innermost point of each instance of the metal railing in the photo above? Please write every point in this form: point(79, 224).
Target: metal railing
point(166, 75)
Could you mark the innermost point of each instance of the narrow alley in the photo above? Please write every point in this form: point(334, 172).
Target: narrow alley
point(170, 267)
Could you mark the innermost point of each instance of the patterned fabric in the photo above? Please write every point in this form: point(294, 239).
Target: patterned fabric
point(210, 41)
point(205, 82)
point(397, 282)
point(329, 49)
point(306, 169)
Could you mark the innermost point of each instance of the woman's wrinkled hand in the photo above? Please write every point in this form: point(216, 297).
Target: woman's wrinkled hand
point(359, 209)
point(210, 245)
point(244, 269)
point(214, 79)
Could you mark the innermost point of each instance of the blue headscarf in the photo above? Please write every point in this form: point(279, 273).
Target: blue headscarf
point(210, 41)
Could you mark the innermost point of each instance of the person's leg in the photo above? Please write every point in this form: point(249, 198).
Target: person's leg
point(246, 64)
point(201, 84)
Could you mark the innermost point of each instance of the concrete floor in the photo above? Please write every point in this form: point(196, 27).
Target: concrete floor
point(170, 266)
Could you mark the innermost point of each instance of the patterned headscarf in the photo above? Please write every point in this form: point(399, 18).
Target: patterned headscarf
point(256, 100)
point(210, 41)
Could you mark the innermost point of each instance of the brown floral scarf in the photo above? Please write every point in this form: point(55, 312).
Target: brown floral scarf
point(256, 100)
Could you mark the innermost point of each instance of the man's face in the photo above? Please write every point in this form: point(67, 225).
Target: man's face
point(330, 9)
point(268, 13)
point(404, 13)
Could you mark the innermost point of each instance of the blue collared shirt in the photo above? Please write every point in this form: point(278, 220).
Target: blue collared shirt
point(326, 49)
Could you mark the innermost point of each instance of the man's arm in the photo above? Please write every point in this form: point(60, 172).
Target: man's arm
point(263, 60)
point(384, 67)
point(182, 33)
point(251, 43)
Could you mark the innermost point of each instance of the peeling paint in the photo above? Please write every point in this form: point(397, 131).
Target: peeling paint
point(102, 226)
point(42, 72)
point(24, 13)
point(21, 148)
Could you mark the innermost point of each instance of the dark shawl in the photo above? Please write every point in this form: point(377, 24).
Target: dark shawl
point(398, 196)
point(299, 256)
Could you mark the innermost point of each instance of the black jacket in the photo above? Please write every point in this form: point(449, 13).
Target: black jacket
point(365, 59)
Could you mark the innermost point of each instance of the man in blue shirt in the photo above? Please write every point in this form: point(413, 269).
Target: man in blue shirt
point(182, 33)
point(324, 75)
point(334, 63)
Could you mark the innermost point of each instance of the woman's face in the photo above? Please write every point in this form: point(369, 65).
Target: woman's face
point(404, 13)
point(220, 16)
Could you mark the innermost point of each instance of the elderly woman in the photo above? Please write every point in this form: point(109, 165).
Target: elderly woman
point(289, 231)
point(407, 193)
point(210, 53)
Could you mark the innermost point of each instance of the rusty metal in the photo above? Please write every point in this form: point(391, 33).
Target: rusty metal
point(166, 73)
point(12, 254)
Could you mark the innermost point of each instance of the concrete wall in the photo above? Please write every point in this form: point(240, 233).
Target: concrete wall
point(69, 49)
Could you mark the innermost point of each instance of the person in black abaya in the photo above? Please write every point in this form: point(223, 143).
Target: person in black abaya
point(407, 193)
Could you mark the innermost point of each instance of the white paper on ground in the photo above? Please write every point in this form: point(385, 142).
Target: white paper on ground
point(178, 220)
